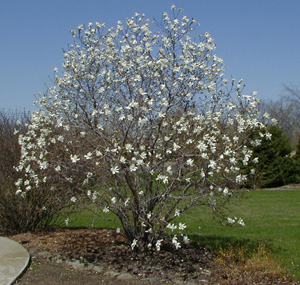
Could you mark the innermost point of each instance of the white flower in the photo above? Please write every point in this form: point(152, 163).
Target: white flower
point(88, 156)
point(172, 227)
point(105, 209)
point(169, 170)
point(134, 244)
point(67, 221)
point(94, 197)
point(74, 158)
point(164, 178)
point(268, 136)
point(19, 182)
point(230, 221)
point(132, 105)
point(267, 116)
point(143, 155)
point(73, 199)
point(239, 179)
point(176, 146)
point(161, 115)
point(158, 244)
point(186, 240)
point(133, 168)
point(274, 121)
point(232, 160)
point(115, 169)
point(122, 159)
point(60, 138)
point(181, 226)
point(126, 201)
point(190, 162)
point(175, 242)
point(118, 230)
point(129, 147)
point(241, 222)
point(212, 164)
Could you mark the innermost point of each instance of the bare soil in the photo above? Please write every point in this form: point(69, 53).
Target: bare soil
point(100, 256)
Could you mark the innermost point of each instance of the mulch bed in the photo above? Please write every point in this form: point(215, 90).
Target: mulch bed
point(111, 252)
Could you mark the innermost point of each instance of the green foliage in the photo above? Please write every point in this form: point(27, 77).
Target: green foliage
point(276, 165)
point(297, 155)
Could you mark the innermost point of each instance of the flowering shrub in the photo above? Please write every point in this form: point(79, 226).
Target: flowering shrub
point(38, 207)
point(10, 205)
point(144, 124)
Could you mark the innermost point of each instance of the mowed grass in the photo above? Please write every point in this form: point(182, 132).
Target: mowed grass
point(272, 218)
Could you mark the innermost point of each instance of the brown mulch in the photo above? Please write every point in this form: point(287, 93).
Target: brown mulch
point(106, 257)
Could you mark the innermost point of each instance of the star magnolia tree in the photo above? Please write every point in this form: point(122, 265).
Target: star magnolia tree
point(143, 123)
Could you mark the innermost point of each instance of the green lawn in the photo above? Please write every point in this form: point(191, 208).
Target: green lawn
point(271, 217)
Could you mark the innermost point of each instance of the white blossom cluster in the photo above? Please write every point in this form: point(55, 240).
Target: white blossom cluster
point(143, 123)
point(236, 221)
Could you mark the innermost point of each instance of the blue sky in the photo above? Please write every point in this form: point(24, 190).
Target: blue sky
point(259, 40)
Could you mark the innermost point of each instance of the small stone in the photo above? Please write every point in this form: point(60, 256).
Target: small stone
point(125, 277)
point(32, 250)
point(44, 254)
point(154, 279)
point(98, 269)
point(72, 262)
point(111, 273)
point(78, 265)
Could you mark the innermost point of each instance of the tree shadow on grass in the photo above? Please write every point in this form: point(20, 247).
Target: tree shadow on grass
point(217, 243)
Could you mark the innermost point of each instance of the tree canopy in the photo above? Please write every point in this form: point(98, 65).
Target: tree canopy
point(143, 123)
